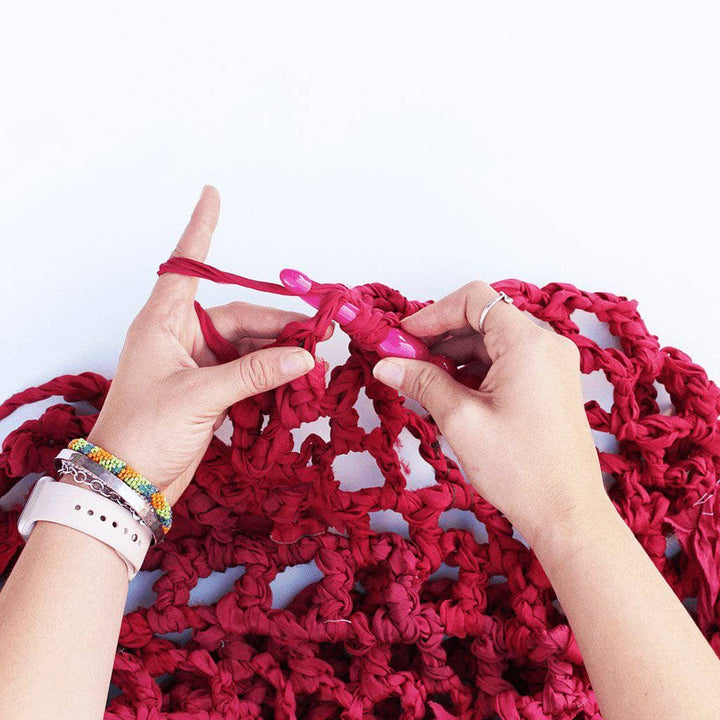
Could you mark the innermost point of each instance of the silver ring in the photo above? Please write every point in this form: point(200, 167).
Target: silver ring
point(501, 297)
point(87, 472)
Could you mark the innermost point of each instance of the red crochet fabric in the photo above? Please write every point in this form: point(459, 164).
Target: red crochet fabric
point(378, 636)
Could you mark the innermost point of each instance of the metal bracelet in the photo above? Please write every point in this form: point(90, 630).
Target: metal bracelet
point(89, 473)
point(83, 477)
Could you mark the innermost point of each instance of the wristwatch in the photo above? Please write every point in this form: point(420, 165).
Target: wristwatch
point(90, 513)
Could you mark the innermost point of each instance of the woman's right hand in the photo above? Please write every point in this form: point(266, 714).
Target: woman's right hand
point(522, 438)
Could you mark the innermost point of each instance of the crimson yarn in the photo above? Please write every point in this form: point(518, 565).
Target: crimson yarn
point(382, 634)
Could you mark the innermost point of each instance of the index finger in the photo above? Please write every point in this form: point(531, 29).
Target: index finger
point(194, 244)
point(503, 326)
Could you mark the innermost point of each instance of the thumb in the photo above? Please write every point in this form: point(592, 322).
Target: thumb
point(430, 385)
point(251, 374)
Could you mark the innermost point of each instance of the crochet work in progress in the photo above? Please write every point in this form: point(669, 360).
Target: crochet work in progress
point(439, 623)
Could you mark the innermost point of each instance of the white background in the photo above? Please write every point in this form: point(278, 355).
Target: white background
point(420, 145)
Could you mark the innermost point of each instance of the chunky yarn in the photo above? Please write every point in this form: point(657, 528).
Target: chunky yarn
point(382, 633)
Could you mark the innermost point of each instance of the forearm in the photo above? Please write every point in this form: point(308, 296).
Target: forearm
point(646, 658)
point(60, 608)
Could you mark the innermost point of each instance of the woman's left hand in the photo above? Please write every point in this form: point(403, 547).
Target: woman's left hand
point(169, 394)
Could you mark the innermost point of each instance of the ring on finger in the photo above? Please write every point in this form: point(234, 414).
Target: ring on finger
point(502, 297)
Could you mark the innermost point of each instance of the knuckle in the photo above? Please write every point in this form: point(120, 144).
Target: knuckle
point(567, 348)
point(234, 315)
point(199, 223)
point(423, 383)
point(461, 415)
point(539, 346)
point(477, 287)
point(255, 375)
point(549, 344)
point(238, 306)
point(538, 339)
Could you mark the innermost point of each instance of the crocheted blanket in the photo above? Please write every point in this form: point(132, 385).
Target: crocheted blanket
point(438, 623)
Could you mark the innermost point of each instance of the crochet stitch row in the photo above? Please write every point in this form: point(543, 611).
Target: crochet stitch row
point(443, 614)
point(132, 478)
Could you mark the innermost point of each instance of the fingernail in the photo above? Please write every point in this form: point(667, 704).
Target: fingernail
point(389, 372)
point(297, 362)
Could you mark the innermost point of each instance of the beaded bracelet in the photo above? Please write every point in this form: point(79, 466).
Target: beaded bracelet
point(132, 478)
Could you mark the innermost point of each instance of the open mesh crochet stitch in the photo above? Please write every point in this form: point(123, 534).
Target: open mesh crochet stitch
point(380, 635)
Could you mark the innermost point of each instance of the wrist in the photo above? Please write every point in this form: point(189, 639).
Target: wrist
point(127, 451)
point(131, 450)
point(559, 539)
point(86, 551)
point(104, 450)
point(141, 457)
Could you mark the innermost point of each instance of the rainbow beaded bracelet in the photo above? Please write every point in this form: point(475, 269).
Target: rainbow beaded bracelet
point(132, 478)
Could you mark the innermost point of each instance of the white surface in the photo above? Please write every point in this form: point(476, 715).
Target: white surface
point(421, 145)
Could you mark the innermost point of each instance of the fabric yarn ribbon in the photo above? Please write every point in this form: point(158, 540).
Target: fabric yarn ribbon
point(383, 634)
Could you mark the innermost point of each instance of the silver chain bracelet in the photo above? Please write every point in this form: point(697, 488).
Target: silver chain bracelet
point(99, 480)
point(83, 477)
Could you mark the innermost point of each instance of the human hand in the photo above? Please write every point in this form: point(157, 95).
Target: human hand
point(169, 394)
point(522, 438)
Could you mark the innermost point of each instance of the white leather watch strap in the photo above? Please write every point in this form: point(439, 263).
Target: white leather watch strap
point(89, 513)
